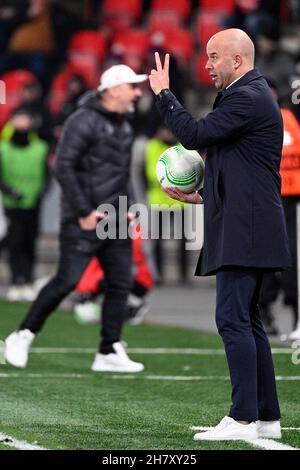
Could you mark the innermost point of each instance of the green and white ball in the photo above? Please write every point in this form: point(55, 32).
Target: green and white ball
point(182, 168)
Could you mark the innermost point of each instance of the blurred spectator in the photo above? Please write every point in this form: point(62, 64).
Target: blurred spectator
point(40, 42)
point(23, 157)
point(76, 87)
point(162, 140)
point(256, 17)
point(275, 64)
point(33, 102)
point(12, 14)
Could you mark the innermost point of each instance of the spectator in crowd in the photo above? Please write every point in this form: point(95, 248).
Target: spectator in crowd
point(256, 17)
point(276, 64)
point(76, 87)
point(32, 101)
point(23, 160)
point(52, 25)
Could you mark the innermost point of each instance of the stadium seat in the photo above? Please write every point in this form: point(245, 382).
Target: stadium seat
point(181, 7)
point(202, 75)
point(220, 6)
point(178, 42)
point(13, 82)
point(207, 24)
point(88, 42)
point(128, 7)
point(132, 45)
point(86, 51)
point(119, 15)
point(163, 20)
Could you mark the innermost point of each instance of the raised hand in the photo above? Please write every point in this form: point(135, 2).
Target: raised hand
point(159, 78)
point(192, 198)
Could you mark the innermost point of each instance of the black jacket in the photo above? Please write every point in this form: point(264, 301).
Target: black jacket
point(93, 158)
point(244, 222)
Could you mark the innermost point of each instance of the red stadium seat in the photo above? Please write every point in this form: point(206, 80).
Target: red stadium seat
point(181, 7)
point(220, 6)
point(132, 46)
point(13, 83)
point(201, 74)
point(89, 43)
point(127, 7)
point(207, 24)
point(178, 42)
point(162, 20)
point(86, 51)
point(119, 15)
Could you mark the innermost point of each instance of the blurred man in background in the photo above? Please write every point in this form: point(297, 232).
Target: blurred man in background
point(93, 165)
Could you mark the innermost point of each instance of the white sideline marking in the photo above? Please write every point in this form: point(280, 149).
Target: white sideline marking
point(192, 378)
point(195, 351)
point(21, 445)
point(268, 444)
point(40, 376)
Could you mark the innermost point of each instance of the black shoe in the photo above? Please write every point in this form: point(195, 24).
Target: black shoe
point(136, 315)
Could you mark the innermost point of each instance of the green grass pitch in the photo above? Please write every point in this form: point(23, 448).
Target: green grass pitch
point(58, 403)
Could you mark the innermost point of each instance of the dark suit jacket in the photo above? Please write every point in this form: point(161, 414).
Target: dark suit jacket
point(244, 224)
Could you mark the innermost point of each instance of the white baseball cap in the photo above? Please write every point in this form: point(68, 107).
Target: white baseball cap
point(119, 74)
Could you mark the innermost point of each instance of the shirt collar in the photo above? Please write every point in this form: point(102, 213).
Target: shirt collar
point(234, 81)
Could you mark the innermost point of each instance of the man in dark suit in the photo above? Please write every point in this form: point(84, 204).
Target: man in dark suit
point(244, 226)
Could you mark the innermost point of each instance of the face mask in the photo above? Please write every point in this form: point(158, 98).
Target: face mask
point(20, 138)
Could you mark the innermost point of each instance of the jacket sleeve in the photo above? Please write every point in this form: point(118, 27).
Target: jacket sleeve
point(233, 115)
point(76, 137)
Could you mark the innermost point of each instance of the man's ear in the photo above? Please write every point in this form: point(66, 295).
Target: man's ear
point(237, 61)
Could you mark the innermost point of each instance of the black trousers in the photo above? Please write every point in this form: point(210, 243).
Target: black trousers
point(247, 347)
point(77, 248)
point(21, 242)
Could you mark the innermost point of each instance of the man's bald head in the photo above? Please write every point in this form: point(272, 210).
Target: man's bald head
point(230, 55)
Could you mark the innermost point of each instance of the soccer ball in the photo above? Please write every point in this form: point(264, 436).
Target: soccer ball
point(182, 168)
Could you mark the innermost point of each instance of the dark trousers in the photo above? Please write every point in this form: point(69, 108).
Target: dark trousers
point(247, 347)
point(77, 248)
point(20, 242)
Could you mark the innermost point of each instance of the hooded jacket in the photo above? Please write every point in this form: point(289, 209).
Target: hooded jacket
point(93, 158)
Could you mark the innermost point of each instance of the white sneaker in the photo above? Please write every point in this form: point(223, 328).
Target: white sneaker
point(17, 346)
point(269, 429)
point(116, 362)
point(228, 430)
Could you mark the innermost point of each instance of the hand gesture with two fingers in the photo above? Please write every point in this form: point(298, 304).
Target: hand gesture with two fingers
point(159, 78)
